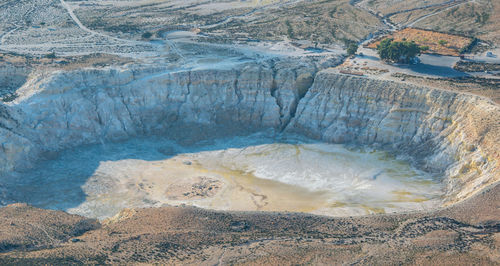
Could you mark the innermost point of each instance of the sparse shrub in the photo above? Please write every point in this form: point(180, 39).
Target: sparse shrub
point(452, 11)
point(289, 29)
point(147, 35)
point(9, 98)
point(51, 55)
point(442, 42)
point(84, 226)
point(482, 18)
point(126, 28)
point(347, 41)
point(469, 47)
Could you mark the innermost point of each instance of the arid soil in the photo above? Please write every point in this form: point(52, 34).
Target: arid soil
point(467, 233)
point(477, 18)
point(62, 63)
point(466, 66)
point(38, 37)
point(479, 86)
point(323, 22)
point(17, 68)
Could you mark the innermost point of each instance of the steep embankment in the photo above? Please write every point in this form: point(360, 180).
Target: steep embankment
point(444, 131)
point(11, 78)
point(455, 134)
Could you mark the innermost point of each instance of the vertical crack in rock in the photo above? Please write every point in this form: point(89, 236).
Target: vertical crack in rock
point(127, 109)
point(275, 95)
point(188, 85)
point(302, 85)
point(6, 118)
point(280, 92)
point(274, 89)
point(239, 95)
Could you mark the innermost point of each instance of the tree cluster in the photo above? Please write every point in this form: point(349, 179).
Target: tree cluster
point(352, 49)
point(398, 52)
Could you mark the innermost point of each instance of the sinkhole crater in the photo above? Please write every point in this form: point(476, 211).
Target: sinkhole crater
point(95, 141)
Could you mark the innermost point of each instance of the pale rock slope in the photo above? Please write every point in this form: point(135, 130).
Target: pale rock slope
point(453, 134)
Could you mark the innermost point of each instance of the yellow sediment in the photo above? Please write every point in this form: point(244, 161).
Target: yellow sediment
point(245, 191)
point(370, 210)
point(227, 182)
point(405, 196)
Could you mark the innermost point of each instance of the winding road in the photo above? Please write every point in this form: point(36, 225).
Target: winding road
point(84, 28)
point(437, 12)
point(172, 46)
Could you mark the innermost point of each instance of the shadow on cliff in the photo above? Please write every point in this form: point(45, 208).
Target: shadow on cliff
point(58, 183)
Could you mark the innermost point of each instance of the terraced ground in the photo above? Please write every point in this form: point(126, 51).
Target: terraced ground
point(76, 27)
point(323, 22)
point(475, 18)
point(438, 43)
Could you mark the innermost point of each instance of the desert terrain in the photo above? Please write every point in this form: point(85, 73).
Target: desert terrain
point(240, 132)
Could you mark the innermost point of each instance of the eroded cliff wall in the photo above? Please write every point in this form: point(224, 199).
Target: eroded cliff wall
point(443, 131)
point(11, 78)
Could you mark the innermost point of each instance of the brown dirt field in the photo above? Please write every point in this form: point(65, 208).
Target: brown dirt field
point(466, 233)
point(385, 7)
point(430, 38)
point(23, 227)
point(323, 22)
point(478, 18)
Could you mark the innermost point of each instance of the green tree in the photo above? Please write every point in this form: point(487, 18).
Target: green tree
point(400, 52)
point(442, 42)
point(352, 49)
